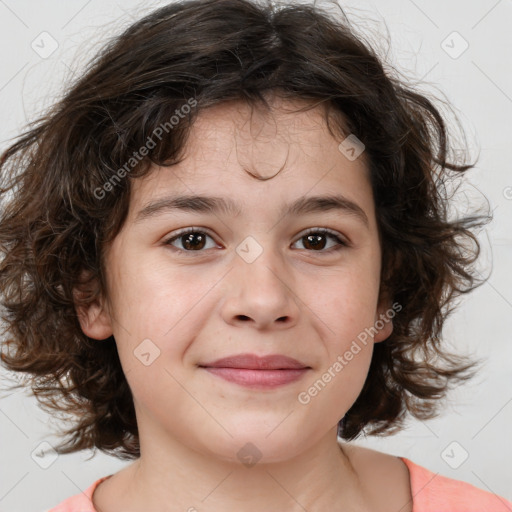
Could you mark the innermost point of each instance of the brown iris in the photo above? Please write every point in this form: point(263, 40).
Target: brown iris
point(314, 241)
point(193, 240)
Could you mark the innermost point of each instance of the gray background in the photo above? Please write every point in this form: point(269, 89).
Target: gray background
point(476, 420)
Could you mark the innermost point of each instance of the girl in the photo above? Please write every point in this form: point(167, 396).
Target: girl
point(226, 255)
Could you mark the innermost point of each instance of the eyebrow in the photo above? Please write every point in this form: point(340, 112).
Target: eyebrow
point(227, 206)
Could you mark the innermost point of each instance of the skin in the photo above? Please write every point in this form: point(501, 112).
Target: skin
point(294, 299)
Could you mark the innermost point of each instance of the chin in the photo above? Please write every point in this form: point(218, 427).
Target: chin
point(252, 445)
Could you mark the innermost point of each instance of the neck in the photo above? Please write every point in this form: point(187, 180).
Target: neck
point(317, 477)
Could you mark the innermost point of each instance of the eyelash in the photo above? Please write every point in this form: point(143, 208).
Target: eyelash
point(322, 231)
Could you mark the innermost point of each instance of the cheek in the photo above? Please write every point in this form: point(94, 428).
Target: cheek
point(152, 297)
point(348, 309)
point(158, 314)
point(347, 305)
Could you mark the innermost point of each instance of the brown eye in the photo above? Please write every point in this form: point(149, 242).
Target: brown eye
point(317, 239)
point(191, 240)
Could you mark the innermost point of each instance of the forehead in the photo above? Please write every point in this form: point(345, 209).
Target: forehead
point(262, 141)
point(292, 152)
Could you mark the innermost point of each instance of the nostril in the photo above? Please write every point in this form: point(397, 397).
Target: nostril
point(242, 317)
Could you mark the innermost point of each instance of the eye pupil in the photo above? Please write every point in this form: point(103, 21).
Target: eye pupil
point(314, 240)
point(189, 241)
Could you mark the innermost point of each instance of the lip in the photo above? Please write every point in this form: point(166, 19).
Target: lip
point(252, 371)
point(255, 362)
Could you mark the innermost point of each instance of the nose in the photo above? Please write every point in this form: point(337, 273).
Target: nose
point(260, 294)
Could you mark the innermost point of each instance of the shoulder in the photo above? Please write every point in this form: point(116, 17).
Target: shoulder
point(81, 502)
point(432, 491)
point(429, 491)
point(383, 478)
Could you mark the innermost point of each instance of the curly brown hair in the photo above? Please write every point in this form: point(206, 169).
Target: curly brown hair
point(68, 200)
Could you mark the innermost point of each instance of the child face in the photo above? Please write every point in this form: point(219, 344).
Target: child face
point(251, 282)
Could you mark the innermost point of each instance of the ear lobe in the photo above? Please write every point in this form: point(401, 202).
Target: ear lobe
point(91, 309)
point(95, 321)
point(383, 321)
